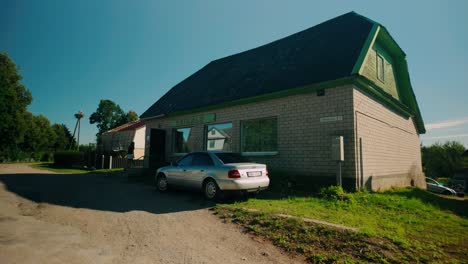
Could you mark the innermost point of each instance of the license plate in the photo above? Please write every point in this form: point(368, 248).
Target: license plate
point(254, 173)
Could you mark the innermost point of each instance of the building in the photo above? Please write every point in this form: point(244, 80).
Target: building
point(117, 140)
point(283, 103)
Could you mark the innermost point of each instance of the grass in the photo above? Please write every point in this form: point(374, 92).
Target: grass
point(49, 166)
point(399, 225)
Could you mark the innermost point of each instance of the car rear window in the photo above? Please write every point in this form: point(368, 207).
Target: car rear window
point(231, 158)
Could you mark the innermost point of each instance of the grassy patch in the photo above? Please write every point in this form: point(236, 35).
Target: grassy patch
point(49, 166)
point(400, 225)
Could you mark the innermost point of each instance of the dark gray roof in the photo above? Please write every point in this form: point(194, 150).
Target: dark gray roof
point(321, 53)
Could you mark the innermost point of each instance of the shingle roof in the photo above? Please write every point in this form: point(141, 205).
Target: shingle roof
point(128, 126)
point(327, 51)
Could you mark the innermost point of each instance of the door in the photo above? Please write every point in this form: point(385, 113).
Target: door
point(157, 151)
point(178, 174)
point(201, 165)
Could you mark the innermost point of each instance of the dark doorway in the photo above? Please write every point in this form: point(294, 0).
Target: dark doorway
point(157, 151)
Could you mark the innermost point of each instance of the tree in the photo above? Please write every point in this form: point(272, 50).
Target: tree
point(14, 99)
point(39, 136)
point(109, 115)
point(442, 160)
point(63, 137)
point(131, 116)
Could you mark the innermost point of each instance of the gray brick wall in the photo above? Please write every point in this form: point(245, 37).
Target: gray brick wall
point(387, 146)
point(390, 143)
point(304, 143)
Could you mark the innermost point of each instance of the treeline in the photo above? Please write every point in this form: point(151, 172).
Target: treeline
point(24, 136)
point(442, 160)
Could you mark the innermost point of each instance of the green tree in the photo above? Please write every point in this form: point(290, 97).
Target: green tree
point(63, 137)
point(442, 160)
point(14, 99)
point(109, 115)
point(39, 136)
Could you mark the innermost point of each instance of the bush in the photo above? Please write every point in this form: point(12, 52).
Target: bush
point(332, 193)
point(68, 159)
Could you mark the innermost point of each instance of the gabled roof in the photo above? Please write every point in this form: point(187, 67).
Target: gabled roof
point(128, 126)
point(326, 55)
point(324, 52)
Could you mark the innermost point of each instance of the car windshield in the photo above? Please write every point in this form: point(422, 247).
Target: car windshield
point(231, 158)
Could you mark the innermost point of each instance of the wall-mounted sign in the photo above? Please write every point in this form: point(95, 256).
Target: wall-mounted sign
point(331, 119)
point(194, 120)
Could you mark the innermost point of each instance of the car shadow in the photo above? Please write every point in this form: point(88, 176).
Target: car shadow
point(103, 191)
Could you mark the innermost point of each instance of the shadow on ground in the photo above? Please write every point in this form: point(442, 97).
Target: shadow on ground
point(104, 191)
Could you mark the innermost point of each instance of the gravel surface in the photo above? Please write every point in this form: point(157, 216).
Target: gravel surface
point(108, 218)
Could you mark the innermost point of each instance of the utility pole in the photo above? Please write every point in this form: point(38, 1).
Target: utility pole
point(78, 117)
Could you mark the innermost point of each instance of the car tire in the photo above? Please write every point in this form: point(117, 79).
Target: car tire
point(211, 190)
point(161, 183)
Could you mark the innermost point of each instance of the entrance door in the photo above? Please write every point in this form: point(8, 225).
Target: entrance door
point(157, 151)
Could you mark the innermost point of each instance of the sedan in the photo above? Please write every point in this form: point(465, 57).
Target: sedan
point(213, 173)
point(433, 186)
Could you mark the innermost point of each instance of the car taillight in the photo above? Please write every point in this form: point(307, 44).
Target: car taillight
point(266, 173)
point(234, 174)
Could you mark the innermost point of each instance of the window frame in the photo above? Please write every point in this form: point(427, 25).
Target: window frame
point(174, 130)
point(202, 154)
point(256, 153)
point(206, 130)
point(379, 56)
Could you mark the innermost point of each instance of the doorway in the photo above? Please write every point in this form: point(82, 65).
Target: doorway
point(157, 151)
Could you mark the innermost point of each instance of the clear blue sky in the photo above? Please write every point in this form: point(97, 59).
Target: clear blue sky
point(74, 53)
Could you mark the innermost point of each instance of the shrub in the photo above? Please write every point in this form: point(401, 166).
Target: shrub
point(332, 193)
point(442, 160)
point(68, 159)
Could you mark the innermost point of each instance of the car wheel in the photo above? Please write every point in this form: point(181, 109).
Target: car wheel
point(161, 183)
point(210, 189)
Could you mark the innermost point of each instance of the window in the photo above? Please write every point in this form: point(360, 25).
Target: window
point(231, 158)
point(183, 140)
point(185, 161)
point(380, 68)
point(202, 159)
point(218, 137)
point(211, 144)
point(260, 135)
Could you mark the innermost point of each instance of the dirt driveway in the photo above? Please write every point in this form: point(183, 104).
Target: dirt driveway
point(107, 218)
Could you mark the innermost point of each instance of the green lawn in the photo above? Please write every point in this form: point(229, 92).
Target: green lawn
point(415, 224)
point(50, 167)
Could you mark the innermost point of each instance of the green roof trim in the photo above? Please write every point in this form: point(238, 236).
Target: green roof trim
point(264, 97)
point(363, 83)
point(365, 49)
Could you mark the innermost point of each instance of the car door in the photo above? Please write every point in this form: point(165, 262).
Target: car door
point(178, 174)
point(201, 165)
point(432, 185)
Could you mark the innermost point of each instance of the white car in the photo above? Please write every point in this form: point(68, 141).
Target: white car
point(433, 186)
point(213, 173)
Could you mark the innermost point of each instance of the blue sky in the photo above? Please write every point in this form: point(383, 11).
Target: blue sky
point(74, 53)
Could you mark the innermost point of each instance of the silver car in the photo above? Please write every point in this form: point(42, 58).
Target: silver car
point(214, 172)
point(433, 186)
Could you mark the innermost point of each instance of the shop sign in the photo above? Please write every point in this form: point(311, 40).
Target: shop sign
point(194, 120)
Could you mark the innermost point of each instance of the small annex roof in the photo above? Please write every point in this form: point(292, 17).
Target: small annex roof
point(128, 126)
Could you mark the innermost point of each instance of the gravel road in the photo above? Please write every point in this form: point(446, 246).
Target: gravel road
point(108, 218)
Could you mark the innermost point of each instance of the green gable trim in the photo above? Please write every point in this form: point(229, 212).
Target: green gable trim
point(365, 48)
point(363, 83)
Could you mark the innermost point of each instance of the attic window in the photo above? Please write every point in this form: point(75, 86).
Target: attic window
point(380, 68)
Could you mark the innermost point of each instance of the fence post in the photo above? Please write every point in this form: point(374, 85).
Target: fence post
point(110, 162)
point(102, 162)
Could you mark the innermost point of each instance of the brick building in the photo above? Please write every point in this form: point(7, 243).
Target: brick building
point(282, 103)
